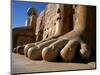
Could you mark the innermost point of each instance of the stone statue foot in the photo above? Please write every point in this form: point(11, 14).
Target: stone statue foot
point(68, 52)
point(50, 49)
point(14, 50)
point(19, 49)
point(85, 51)
point(51, 52)
point(66, 48)
point(34, 52)
point(27, 47)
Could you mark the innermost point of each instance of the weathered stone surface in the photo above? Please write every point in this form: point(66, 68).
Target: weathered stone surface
point(79, 19)
point(26, 34)
point(21, 64)
point(73, 23)
point(40, 26)
point(31, 18)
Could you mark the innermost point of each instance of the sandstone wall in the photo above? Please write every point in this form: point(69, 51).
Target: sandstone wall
point(53, 13)
point(50, 20)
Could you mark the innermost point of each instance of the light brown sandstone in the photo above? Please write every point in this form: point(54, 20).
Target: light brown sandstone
point(26, 34)
point(63, 30)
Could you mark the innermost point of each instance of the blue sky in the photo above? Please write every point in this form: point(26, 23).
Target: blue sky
point(19, 14)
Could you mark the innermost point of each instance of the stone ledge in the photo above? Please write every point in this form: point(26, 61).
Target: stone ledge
point(22, 64)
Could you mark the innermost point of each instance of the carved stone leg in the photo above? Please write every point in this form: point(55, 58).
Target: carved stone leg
point(35, 52)
point(68, 52)
point(85, 51)
point(50, 53)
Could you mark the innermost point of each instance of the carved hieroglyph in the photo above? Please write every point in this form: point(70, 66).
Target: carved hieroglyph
point(64, 30)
